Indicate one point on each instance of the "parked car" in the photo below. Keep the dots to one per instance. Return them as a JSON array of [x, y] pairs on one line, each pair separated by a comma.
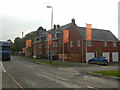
[[98, 60]]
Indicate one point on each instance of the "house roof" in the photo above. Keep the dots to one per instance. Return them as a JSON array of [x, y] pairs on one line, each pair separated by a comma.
[[98, 34], [58, 30]]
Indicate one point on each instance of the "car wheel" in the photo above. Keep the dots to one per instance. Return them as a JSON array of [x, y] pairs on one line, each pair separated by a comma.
[[89, 62], [9, 59]]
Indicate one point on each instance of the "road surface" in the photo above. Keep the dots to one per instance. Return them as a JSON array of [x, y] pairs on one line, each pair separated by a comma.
[[21, 73]]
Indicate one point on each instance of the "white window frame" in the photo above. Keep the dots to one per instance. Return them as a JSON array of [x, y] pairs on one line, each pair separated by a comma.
[[89, 43], [71, 43], [105, 44], [55, 34], [114, 44], [78, 43]]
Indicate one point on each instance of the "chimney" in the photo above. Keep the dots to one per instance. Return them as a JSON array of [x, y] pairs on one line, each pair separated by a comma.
[[54, 26], [73, 20], [58, 26]]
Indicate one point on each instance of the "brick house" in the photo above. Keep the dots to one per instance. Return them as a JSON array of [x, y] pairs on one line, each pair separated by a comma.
[[77, 49]]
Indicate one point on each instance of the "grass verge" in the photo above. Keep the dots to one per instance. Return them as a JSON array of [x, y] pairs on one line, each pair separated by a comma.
[[48, 62], [108, 73], [58, 63]]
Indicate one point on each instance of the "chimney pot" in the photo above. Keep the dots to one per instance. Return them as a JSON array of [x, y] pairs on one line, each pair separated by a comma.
[[73, 20], [54, 26], [58, 26]]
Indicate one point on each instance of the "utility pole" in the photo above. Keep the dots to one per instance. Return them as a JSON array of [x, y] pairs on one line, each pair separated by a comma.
[[51, 29]]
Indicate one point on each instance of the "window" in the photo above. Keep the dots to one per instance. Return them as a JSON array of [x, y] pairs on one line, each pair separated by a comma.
[[42, 38], [46, 45], [71, 43], [89, 43], [53, 44], [35, 46], [105, 43], [78, 43], [37, 39], [56, 52], [40, 53], [53, 52], [114, 44], [55, 34], [39, 46]]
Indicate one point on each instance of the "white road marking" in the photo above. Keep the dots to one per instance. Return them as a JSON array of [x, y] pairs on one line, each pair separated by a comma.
[[85, 76], [11, 76], [15, 81], [92, 87], [65, 69], [70, 70], [3, 68], [63, 83], [30, 67], [55, 76], [89, 87]]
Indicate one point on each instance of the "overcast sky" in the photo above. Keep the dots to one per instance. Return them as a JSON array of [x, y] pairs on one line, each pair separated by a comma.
[[19, 16]]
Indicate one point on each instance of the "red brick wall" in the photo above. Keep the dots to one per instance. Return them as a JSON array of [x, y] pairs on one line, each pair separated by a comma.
[[75, 53], [108, 48], [100, 44]]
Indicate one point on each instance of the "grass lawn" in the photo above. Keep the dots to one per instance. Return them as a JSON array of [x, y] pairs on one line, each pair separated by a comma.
[[61, 63], [53, 63], [109, 73], [48, 62]]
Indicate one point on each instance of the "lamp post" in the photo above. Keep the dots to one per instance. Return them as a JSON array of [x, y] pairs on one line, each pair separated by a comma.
[[51, 15], [51, 28]]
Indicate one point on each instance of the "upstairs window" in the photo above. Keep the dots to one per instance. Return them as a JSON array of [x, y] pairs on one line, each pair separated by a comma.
[[71, 43], [89, 43], [78, 43], [55, 44], [41, 38], [105, 44], [39, 46], [34, 47], [46, 45], [57, 34], [114, 44], [37, 39]]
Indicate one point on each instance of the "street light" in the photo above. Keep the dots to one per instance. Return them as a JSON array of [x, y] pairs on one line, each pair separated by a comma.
[[51, 29], [51, 15]]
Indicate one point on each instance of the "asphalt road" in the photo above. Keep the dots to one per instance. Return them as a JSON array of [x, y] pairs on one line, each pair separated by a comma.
[[21, 73]]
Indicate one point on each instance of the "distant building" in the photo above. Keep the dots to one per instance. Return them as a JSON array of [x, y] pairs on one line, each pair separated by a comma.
[[75, 49]]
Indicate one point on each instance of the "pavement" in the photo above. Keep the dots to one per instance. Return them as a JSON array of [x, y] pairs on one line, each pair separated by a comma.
[[8, 81], [32, 75]]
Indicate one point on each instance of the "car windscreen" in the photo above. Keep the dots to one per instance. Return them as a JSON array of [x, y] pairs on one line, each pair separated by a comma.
[[5, 48]]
